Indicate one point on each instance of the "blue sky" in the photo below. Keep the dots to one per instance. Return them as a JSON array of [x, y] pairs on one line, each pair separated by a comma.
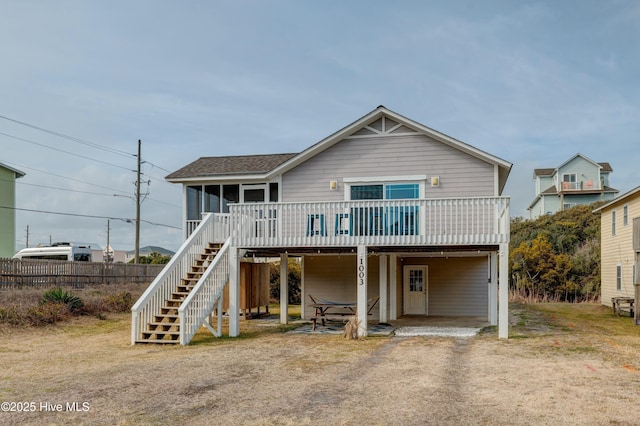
[[531, 82]]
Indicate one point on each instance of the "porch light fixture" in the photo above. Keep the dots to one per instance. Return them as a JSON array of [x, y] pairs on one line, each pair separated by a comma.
[[435, 180], [333, 185]]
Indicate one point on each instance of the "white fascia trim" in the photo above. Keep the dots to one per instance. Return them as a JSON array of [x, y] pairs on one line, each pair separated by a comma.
[[381, 135], [624, 198], [219, 178], [378, 112]]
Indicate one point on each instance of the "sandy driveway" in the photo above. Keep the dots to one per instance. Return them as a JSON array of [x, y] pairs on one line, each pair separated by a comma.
[[549, 373]]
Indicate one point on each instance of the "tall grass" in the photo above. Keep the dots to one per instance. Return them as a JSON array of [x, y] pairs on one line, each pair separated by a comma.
[[521, 295], [37, 307]]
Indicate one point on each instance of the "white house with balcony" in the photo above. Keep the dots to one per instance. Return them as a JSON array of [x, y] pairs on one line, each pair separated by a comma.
[[383, 208], [577, 181]]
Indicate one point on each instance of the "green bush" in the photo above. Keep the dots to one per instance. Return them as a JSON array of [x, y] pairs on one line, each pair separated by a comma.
[[58, 295], [557, 257]]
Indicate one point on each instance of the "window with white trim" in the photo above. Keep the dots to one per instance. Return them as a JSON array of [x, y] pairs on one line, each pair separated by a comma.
[[619, 277], [613, 222], [386, 191], [625, 215]]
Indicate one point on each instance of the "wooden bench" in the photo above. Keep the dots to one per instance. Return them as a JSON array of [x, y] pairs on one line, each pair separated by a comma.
[[622, 304]]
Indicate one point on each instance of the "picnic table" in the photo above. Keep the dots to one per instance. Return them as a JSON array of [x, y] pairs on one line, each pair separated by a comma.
[[324, 308]]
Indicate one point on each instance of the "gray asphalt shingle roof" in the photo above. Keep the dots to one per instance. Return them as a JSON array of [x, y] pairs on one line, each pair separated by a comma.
[[230, 165]]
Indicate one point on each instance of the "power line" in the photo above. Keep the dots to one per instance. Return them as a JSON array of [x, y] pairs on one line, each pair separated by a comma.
[[66, 177], [72, 138], [124, 219], [66, 152], [81, 141], [87, 192]]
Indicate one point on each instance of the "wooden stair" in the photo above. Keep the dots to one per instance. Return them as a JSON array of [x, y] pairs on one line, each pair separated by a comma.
[[165, 327]]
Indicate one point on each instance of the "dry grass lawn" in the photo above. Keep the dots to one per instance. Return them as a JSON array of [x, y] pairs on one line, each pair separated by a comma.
[[565, 364]]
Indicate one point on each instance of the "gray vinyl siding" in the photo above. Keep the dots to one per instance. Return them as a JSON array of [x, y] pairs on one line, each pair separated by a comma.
[[334, 278], [457, 286], [461, 175]]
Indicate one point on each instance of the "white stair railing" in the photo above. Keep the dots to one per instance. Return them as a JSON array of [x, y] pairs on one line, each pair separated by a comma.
[[149, 304], [199, 304]]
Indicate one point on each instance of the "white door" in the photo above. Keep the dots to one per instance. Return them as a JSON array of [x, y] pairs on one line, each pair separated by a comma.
[[415, 290]]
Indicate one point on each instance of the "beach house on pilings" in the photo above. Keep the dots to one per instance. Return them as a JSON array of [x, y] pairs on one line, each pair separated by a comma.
[[384, 207]]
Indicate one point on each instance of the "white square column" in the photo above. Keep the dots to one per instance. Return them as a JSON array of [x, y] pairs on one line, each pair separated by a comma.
[[503, 284], [234, 292], [361, 280], [284, 288]]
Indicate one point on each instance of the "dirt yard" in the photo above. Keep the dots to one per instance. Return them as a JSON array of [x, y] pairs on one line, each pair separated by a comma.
[[565, 364]]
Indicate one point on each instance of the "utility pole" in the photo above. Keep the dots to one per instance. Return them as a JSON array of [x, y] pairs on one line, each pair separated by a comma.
[[108, 252], [138, 205], [27, 245]]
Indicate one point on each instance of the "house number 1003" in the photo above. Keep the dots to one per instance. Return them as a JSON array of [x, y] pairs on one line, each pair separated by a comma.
[[361, 272]]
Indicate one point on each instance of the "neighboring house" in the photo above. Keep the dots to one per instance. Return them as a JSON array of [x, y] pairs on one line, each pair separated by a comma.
[[8, 176], [146, 251], [100, 254], [578, 180], [384, 207], [620, 246]]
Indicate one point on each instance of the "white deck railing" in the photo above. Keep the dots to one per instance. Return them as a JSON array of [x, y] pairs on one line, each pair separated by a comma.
[[200, 302], [167, 281], [459, 221]]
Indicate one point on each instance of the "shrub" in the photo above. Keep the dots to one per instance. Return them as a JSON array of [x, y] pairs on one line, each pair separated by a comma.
[[120, 302], [11, 315], [47, 313], [58, 295]]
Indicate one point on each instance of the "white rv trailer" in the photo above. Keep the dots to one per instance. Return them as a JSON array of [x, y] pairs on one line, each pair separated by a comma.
[[57, 251]]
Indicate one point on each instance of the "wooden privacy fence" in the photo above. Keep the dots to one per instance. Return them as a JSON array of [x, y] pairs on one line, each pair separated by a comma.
[[47, 273]]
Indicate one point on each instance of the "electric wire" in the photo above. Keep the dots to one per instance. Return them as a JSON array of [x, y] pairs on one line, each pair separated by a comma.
[[124, 219], [71, 138], [66, 152]]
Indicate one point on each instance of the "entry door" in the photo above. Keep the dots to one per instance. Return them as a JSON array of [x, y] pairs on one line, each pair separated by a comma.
[[416, 290]]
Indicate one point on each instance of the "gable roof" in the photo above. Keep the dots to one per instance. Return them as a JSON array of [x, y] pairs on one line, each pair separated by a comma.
[[503, 165], [18, 173], [268, 166], [621, 199], [604, 167]]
